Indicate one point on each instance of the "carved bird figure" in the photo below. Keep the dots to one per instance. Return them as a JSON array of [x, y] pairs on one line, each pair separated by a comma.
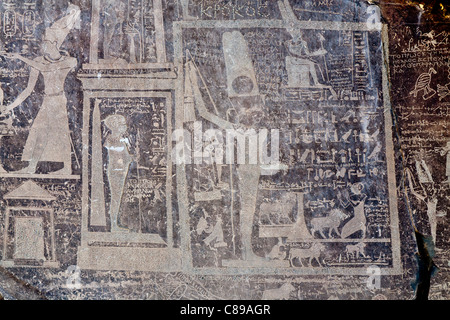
[[423, 83]]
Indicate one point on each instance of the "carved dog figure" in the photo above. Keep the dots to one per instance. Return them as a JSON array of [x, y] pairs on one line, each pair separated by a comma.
[[355, 250], [330, 222], [311, 253]]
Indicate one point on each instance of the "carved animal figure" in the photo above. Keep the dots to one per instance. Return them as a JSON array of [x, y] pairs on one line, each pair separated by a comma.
[[358, 222], [278, 212], [311, 253], [281, 293], [330, 222], [275, 218], [423, 83], [355, 250], [277, 252]]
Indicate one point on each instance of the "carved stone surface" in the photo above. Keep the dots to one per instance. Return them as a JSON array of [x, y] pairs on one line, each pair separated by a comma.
[[208, 149]]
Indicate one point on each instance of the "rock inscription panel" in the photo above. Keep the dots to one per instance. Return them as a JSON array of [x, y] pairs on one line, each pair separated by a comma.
[[200, 149]]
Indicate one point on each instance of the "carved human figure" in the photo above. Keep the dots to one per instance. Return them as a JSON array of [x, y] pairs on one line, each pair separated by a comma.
[[446, 151], [248, 175], [357, 200], [299, 64], [249, 114], [429, 194], [119, 160], [49, 136], [214, 230], [114, 17], [134, 36]]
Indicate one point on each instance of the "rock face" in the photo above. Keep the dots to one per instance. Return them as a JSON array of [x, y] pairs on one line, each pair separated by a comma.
[[200, 149]]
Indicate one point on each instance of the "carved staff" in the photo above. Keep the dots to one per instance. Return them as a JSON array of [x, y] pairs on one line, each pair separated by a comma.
[[138, 159], [232, 196], [98, 211], [322, 39], [193, 73]]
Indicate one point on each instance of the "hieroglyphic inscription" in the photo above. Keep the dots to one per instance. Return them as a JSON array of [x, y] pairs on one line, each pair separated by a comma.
[[420, 67], [165, 149]]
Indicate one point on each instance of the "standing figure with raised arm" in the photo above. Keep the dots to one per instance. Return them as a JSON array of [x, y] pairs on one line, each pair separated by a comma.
[[429, 194], [248, 103], [49, 136], [357, 200]]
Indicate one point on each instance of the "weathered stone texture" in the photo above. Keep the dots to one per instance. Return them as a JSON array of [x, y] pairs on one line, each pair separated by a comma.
[[125, 171]]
